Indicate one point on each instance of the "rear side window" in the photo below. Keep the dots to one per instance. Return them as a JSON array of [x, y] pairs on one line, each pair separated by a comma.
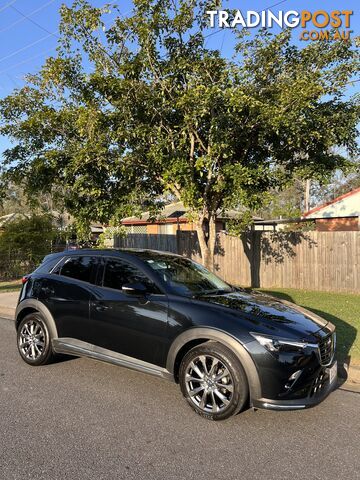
[[119, 272], [81, 268], [48, 263]]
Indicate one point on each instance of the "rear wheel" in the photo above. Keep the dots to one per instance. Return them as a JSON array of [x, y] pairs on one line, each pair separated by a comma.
[[34, 340], [213, 381]]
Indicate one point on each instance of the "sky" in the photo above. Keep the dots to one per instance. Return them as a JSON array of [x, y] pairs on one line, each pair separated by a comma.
[[29, 28]]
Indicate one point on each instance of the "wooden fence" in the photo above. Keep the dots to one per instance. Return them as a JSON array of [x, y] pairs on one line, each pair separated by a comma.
[[165, 243], [328, 261]]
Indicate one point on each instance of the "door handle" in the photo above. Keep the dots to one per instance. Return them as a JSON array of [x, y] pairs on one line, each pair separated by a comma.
[[100, 307]]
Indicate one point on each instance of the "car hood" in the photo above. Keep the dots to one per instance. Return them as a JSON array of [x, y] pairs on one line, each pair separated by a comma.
[[269, 315]]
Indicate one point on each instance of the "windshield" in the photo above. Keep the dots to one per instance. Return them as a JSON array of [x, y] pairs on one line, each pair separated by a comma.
[[186, 277]]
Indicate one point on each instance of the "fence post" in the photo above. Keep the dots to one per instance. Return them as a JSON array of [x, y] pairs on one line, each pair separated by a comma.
[[178, 241]]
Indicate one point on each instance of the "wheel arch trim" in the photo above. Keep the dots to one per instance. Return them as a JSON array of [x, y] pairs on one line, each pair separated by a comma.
[[41, 308], [225, 339]]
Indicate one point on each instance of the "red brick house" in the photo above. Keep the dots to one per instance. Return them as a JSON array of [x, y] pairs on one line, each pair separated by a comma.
[[342, 213], [172, 218]]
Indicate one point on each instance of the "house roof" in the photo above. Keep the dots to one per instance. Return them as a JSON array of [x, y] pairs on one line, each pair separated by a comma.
[[173, 210], [170, 214], [347, 205]]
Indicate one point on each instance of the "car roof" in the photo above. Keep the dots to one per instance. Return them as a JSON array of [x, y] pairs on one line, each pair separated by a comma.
[[142, 253]]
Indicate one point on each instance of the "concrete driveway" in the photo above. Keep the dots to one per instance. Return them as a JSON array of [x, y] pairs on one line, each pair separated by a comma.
[[82, 419]]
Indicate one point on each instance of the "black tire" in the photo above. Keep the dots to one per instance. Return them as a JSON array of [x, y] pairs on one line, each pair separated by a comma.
[[34, 340], [223, 389]]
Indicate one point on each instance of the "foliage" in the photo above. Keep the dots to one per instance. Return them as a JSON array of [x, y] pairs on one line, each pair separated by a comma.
[[340, 184], [109, 233], [24, 243], [284, 203], [308, 226], [237, 226], [32, 236], [160, 112], [13, 200]]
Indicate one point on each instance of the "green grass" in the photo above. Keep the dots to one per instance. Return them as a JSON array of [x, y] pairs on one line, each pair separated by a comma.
[[341, 309], [10, 286]]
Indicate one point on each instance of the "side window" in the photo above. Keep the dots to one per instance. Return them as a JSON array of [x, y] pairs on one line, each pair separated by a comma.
[[118, 273], [47, 264], [81, 268]]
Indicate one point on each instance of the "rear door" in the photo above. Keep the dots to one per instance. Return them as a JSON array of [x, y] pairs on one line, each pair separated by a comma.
[[67, 293], [132, 325]]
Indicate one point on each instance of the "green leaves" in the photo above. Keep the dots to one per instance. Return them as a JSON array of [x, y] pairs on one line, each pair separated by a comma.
[[32, 236], [141, 108]]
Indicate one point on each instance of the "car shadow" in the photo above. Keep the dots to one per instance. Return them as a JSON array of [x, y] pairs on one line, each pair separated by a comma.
[[345, 333], [61, 358]]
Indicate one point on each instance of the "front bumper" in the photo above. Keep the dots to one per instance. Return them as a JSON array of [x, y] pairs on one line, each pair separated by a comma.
[[318, 390]]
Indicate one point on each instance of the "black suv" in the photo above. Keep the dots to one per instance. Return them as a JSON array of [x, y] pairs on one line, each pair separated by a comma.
[[168, 316]]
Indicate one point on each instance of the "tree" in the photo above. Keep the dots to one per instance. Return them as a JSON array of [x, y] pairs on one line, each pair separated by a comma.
[[32, 236], [160, 112], [14, 200], [24, 242], [284, 203], [340, 184]]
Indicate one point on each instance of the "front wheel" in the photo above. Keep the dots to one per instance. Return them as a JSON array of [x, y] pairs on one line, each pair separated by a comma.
[[34, 340], [213, 381]]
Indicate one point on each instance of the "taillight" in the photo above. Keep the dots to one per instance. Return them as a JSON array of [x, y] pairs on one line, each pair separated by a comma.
[[25, 278]]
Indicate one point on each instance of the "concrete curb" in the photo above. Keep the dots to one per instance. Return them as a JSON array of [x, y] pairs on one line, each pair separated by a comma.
[[353, 374], [7, 312]]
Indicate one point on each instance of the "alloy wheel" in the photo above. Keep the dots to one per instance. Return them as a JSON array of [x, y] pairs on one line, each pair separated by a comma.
[[32, 340], [209, 383]]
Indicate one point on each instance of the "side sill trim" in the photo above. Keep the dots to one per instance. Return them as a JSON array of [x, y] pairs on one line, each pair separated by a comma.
[[72, 346]]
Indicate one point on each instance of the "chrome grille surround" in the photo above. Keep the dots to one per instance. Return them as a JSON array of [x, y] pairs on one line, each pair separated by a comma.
[[327, 349]]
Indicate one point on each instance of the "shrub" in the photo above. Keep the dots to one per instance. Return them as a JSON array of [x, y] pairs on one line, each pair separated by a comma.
[[24, 243]]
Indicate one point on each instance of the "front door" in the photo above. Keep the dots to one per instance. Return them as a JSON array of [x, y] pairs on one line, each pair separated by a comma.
[[132, 325]]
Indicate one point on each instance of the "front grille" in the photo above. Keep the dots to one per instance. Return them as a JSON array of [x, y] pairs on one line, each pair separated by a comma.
[[327, 349]]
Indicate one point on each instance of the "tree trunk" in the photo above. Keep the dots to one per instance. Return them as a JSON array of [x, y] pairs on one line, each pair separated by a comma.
[[206, 230]]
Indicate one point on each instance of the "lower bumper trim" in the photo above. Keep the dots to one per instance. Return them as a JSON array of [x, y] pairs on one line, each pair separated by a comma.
[[273, 406], [298, 404]]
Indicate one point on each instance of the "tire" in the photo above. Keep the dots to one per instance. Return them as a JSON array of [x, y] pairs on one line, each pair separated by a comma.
[[34, 340], [213, 381]]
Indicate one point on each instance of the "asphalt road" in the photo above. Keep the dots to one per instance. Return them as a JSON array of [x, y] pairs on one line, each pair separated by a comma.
[[82, 419]]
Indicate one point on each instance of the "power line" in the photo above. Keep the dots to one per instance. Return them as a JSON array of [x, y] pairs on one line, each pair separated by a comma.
[[26, 16], [25, 48], [7, 5], [37, 41], [12, 80], [27, 60], [221, 30]]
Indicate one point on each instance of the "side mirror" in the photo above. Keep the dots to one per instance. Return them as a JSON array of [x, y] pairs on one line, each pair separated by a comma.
[[134, 289]]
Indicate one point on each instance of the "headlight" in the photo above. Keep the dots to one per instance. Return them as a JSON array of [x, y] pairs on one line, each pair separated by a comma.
[[277, 345]]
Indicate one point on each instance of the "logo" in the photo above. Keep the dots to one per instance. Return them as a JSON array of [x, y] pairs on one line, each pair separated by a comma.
[[318, 25]]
